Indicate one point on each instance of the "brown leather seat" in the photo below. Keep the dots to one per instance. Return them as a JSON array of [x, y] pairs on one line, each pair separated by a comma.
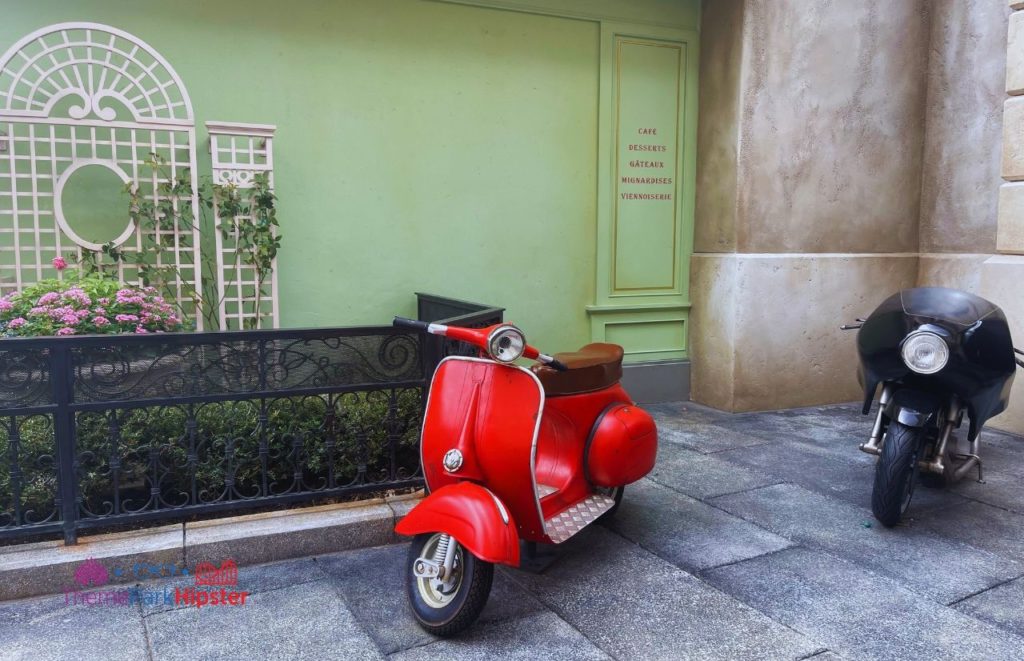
[[593, 367]]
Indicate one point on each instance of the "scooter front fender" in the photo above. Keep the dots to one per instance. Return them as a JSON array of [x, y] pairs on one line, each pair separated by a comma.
[[472, 515]]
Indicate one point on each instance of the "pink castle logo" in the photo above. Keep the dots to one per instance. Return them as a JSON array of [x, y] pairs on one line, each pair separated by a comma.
[[91, 572]]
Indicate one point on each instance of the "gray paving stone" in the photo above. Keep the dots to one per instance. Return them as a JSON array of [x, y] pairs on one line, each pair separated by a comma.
[[980, 525], [540, 636], [842, 472], [302, 622], [943, 569], [774, 425], [858, 613], [686, 532], [1002, 606], [686, 412], [703, 475], [707, 438], [372, 582], [1004, 478], [253, 579], [49, 628], [1002, 439], [634, 605]]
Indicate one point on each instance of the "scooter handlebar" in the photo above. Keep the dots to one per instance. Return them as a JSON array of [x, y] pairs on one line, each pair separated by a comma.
[[402, 322]]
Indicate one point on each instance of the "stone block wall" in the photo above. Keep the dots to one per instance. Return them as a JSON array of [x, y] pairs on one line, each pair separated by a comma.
[[846, 151]]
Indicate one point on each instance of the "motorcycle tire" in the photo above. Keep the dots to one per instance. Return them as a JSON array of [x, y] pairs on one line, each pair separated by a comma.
[[445, 611], [895, 474]]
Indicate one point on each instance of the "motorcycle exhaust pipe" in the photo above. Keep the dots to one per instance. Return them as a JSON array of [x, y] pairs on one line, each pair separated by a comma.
[[874, 444], [973, 461]]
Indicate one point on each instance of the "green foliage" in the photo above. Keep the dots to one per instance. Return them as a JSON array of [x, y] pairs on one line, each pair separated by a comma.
[[195, 451], [249, 218], [248, 223]]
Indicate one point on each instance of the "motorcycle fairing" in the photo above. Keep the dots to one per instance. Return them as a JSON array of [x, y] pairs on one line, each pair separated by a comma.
[[473, 516], [981, 364], [491, 413]]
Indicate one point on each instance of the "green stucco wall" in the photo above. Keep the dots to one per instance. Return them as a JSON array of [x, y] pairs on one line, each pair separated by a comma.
[[421, 146]]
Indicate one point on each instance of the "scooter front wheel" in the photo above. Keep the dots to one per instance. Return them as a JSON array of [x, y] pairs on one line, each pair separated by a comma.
[[447, 605]]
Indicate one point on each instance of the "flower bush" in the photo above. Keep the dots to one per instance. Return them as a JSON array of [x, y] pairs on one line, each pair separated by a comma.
[[85, 305]]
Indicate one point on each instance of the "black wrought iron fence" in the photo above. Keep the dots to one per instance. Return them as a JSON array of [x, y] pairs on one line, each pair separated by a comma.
[[106, 430]]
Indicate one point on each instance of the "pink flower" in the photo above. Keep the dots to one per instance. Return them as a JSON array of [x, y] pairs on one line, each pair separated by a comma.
[[5, 305], [126, 317], [66, 331], [60, 265], [17, 322], [48, 298], [70, 319], [140, 329], [104, 301], [100, 321], [100, 310]]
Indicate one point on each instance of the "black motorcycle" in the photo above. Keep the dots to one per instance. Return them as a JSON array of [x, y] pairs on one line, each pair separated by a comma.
[[937, 353]]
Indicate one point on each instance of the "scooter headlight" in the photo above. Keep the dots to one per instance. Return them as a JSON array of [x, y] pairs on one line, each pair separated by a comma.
[[506, 343], [925, 352]]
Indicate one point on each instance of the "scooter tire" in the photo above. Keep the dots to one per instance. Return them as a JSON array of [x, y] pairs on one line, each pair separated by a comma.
[[895, 474], [466, 604]]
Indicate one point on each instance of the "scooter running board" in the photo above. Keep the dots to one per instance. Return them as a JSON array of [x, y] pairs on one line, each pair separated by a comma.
[[564, 525]]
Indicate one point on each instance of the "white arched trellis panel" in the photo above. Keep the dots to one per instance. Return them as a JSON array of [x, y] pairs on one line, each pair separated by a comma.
[[78, 94]]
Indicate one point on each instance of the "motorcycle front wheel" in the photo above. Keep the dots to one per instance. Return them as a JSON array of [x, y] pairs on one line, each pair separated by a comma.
[[895, 474], [444, 608]]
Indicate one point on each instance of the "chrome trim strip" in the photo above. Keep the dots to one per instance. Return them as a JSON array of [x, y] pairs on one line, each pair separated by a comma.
[[536, 428], [498, 504]]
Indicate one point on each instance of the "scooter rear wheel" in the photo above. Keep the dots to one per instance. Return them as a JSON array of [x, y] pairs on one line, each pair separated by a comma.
[[895, 474], [444, 608]]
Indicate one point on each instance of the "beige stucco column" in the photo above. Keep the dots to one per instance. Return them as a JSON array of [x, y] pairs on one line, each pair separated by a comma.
[[1002, 276], [809, 163]]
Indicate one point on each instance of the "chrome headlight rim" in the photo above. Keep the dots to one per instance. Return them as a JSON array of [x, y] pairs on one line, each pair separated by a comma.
[[913, 340], [510, 352]]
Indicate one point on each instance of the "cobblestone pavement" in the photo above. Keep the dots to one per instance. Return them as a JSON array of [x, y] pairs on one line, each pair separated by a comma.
[[752, 539]]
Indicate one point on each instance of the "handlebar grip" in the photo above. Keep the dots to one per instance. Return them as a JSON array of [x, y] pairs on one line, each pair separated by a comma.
[[402, 322], [558, 365]]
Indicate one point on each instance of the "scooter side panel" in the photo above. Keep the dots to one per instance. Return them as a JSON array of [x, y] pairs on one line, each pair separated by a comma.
[[490, 413], [563, 440], [473, 516]]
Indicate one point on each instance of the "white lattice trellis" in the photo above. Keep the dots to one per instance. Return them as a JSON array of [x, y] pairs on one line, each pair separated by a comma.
[[239, 153], [77, 94]]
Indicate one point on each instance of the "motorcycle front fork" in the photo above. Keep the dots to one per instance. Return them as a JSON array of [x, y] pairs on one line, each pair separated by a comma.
[[934, 463]]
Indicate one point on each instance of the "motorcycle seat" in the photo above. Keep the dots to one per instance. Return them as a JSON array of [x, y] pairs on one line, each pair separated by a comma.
[[594, 367]]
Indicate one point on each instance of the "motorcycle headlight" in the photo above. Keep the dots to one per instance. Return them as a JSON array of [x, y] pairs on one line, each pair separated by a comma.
[[925, 352], [506, 344]]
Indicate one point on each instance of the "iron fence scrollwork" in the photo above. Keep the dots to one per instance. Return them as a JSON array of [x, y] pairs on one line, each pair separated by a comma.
[[100, 431]]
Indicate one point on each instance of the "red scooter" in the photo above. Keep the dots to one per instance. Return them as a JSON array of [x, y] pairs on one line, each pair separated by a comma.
[[512, 454]]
